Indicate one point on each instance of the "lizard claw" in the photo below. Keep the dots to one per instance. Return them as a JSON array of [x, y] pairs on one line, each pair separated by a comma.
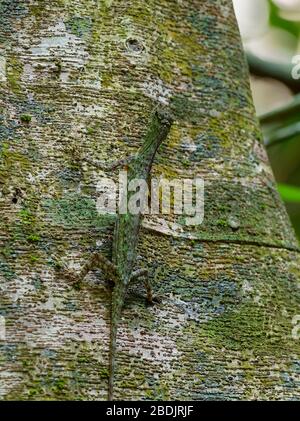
[[157, 299], [62, 270], [154, 300]]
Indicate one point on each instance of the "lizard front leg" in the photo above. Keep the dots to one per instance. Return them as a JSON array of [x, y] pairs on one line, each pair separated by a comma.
[[96, 260]]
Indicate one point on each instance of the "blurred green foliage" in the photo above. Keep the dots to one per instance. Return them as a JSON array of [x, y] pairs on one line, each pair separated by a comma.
[[281, 126], [277, 21], [289, 193]]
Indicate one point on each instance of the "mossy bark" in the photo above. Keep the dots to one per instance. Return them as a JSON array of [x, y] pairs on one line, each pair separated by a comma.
[[82, 78]]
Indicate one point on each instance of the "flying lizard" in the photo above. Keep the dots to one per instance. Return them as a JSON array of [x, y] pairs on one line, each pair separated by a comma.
[[126, 233]]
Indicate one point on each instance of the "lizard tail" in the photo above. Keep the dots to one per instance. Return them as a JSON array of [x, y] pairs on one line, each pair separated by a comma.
[[116, 309], [112, 360]]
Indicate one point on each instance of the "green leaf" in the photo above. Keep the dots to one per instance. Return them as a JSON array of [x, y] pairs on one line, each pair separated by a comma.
[[289, 193]]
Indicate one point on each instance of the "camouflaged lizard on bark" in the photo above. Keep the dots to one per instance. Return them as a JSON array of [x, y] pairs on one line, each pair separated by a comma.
[[124, 249]]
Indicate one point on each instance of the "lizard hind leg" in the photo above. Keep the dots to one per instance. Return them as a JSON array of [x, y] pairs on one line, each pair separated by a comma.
[[96, 260]]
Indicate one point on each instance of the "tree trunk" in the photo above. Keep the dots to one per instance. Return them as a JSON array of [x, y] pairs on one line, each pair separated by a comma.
[[81, 78]]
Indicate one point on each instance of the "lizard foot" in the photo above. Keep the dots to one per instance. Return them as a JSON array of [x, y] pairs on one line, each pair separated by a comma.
[[154, 300], [66, 273]]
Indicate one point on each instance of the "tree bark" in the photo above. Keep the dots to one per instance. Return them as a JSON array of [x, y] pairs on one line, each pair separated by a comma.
[[81, 78]]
